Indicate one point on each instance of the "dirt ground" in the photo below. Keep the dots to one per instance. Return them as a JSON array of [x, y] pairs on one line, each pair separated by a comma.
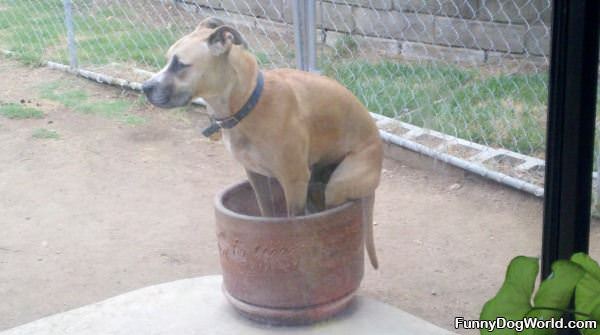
[[110, 207]]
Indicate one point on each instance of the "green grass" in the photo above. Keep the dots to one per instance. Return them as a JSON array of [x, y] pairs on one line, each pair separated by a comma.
[[45, 134], [29, 28], [262, 58], [34, 30], [499, 110], [79, 101], [19, 111], [346, 46]]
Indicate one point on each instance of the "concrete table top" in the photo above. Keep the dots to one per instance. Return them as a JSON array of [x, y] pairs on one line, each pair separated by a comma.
[[197, 306]]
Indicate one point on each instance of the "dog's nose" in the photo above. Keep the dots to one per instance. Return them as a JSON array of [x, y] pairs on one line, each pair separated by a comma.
[[147, 87]]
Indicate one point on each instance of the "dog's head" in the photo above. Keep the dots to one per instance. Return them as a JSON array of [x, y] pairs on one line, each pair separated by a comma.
[[197, 66]]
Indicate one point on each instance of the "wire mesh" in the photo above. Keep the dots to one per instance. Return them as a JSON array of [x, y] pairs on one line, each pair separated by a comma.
[[474, 69], [458, 67], [117, 37]]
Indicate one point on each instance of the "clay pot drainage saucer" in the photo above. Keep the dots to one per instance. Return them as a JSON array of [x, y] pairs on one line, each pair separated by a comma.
[[288, 271]]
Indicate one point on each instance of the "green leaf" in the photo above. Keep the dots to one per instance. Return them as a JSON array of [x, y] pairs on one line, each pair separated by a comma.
[[587, 263], [587, 291], [513, 300], [555, 294], [596, 317]]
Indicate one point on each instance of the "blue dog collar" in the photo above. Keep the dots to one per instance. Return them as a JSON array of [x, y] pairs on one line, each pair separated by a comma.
[[232, 121]]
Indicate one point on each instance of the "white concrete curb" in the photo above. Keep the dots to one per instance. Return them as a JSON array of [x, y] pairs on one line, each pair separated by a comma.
[[197, 306]]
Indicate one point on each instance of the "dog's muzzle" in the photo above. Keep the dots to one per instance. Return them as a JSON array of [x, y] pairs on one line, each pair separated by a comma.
[[157, 95], [147, 87], [163, 95]]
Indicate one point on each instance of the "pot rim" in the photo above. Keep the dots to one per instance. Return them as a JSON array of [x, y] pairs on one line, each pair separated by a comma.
[[219, 206]]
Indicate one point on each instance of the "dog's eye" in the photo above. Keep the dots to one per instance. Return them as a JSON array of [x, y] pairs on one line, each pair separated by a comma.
[[176, 65]]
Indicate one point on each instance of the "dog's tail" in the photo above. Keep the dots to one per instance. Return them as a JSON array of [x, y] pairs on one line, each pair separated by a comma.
[[367, 209]]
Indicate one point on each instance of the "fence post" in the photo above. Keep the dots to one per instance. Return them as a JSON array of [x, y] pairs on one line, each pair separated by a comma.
[[305, 34], [70, 34]]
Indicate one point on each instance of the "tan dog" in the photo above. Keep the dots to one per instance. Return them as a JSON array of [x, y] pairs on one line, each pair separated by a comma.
[[304, 128]]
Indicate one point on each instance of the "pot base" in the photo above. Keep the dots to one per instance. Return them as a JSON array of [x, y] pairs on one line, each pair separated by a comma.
[[291, 316]]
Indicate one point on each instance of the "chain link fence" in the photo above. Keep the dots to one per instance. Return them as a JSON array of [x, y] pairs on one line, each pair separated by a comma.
[[472, 69], [118, 37]]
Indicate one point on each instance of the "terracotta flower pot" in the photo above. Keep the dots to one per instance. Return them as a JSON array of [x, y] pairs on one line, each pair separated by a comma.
[[281, 270]]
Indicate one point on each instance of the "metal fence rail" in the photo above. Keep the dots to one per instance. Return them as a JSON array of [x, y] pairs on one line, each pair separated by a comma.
[[473, 69]]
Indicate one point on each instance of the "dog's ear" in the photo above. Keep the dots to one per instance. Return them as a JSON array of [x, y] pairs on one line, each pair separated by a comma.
[[210, 23], [221, 40]]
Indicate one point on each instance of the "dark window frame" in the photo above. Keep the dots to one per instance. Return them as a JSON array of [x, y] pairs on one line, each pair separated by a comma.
[[570, 133]]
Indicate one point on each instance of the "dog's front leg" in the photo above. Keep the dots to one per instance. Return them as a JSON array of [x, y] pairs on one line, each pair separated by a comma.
[[264, 194], [295, 188]]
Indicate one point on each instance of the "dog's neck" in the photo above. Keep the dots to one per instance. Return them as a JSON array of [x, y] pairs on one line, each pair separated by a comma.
[[240, 84]]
